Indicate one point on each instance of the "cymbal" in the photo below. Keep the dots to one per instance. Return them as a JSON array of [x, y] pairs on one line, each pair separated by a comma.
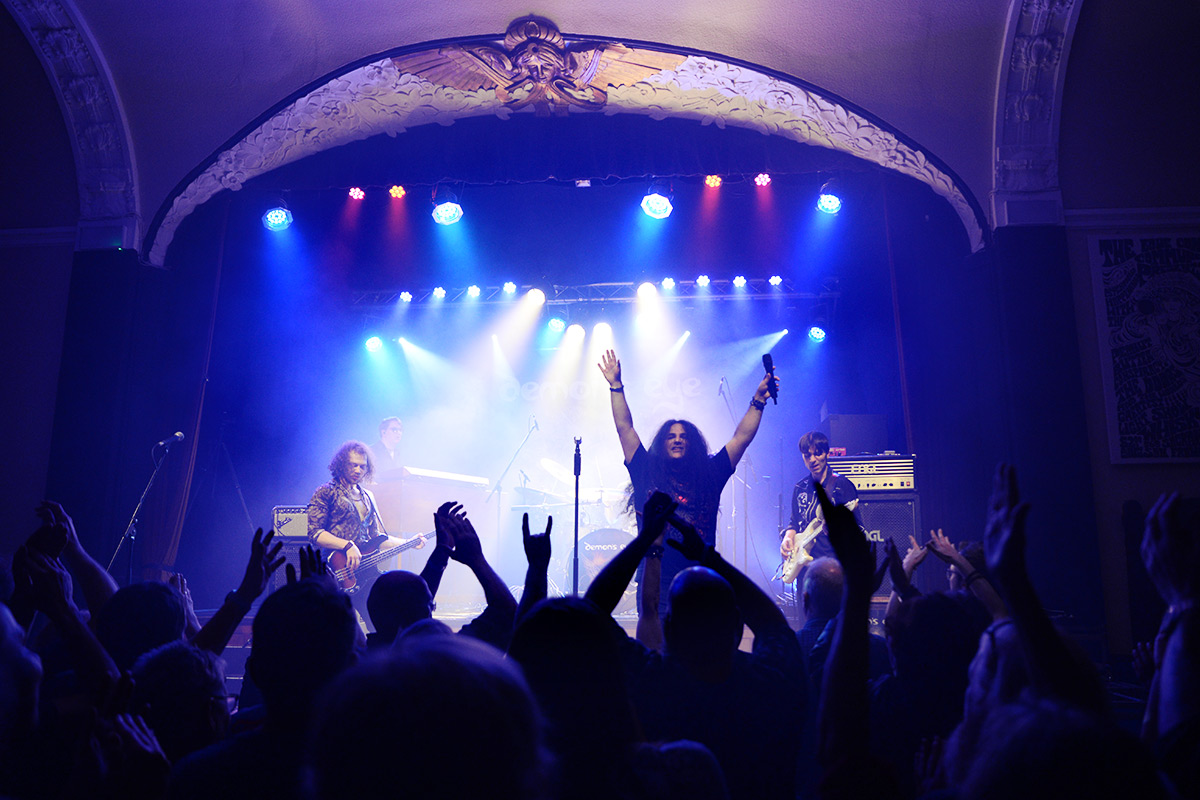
[[557, 470]]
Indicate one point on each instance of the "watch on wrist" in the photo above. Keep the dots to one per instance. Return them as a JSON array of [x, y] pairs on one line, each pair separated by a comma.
[[349, 544]]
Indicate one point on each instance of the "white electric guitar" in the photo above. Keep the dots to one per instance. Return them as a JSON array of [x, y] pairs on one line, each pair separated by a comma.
[[799, 556]]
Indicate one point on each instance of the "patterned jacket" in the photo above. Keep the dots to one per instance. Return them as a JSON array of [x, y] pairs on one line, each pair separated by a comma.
[[332, 510]]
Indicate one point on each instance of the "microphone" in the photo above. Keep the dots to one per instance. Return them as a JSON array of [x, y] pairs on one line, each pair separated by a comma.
[[772, 386], [721, 387], [534, 423], [524, 477], [177, 436]]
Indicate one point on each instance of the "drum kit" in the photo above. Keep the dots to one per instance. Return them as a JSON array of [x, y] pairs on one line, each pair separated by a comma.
[[606, 525]]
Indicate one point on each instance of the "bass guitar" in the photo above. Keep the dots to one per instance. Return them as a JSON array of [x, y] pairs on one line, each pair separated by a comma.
[[802, 544], [372, 555]]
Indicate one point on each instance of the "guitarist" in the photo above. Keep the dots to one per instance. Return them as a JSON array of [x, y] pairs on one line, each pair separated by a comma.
[[814, 446], [342, 515]]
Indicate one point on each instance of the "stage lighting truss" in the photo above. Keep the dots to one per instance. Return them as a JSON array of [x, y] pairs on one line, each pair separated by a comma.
[[684, 290]]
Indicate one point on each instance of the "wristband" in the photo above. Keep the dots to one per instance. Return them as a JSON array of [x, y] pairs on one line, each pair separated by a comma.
[[756, 403], [349, 544], [619, 389]]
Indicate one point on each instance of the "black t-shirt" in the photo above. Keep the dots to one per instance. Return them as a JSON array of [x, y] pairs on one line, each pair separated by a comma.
[[698, 499]]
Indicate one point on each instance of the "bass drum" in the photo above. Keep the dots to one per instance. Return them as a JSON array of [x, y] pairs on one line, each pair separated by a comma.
[[595, 550]]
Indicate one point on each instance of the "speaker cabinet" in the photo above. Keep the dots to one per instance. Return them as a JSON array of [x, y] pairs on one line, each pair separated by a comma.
[[894, 516]]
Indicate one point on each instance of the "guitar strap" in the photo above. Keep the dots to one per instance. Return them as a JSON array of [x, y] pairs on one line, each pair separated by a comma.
[[374, 511]]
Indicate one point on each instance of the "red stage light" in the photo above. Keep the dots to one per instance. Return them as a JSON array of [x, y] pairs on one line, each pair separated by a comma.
[[357, 193]]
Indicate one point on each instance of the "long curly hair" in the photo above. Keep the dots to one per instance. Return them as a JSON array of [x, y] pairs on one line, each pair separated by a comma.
[[694, 458], [339, 465]]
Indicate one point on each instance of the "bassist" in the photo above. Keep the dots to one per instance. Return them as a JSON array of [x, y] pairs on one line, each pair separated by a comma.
[[342, 515]]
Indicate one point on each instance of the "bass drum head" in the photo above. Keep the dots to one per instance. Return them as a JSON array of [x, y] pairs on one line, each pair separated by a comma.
[[595, 550]]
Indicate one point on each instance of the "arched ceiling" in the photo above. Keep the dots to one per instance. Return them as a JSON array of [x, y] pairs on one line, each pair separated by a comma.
[[163, 89]]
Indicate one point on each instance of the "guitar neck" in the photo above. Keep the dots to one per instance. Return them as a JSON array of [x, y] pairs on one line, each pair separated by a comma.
[[380, 555]]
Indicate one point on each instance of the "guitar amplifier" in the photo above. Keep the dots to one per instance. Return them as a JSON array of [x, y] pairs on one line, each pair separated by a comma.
[[290, 522], [884, 473]]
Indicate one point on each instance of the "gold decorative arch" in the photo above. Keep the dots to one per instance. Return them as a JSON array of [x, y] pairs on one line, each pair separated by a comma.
[[535, 69]]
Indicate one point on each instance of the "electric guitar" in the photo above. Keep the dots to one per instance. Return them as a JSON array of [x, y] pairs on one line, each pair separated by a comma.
[[803, 543], [348, 578]]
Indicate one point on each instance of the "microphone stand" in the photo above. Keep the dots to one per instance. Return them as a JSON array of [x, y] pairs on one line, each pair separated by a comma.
[[575, 558], [517, 452], [496, 485], [130, 533]]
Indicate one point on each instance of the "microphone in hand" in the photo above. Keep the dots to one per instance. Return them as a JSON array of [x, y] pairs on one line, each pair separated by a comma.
[[772, 385]]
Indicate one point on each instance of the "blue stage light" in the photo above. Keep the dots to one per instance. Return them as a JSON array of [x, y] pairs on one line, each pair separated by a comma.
[[657, 202], [829, 203], [740, 281], [446, 210], [447, 213], [816, 333], [702, 281], [406, 297], [374, 344], [472, 291], [557, 324], [829, 200], [775, 280], [277, 219], [439, 292], [668, 283], [510, 287]]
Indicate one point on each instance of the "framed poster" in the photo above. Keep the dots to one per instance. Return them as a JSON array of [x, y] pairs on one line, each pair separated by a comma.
[[1147, 293]]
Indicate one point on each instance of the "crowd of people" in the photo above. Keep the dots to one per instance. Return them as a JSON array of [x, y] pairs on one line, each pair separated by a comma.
[[972, 692]]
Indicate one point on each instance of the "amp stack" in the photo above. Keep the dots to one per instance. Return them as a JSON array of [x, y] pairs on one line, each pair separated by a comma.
[[888, 504]]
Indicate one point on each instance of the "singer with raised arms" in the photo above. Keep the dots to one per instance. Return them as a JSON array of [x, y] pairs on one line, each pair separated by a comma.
[[679, 464]]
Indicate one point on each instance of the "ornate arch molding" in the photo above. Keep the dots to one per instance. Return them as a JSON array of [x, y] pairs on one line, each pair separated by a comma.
[[105, 174], [1025, 187], [533, 69]]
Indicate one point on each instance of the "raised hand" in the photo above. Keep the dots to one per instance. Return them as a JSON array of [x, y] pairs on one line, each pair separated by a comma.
[[915, 555], [1171, 553], [448, 509], [54, 514], [1004, 534], [764, 388], [692, 544], [264, 560], [537, 545], [467, 548], [50, 583], [656, 513], [610, 368], [192, 624], [849, 545], [895, 565], [941, 546]]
